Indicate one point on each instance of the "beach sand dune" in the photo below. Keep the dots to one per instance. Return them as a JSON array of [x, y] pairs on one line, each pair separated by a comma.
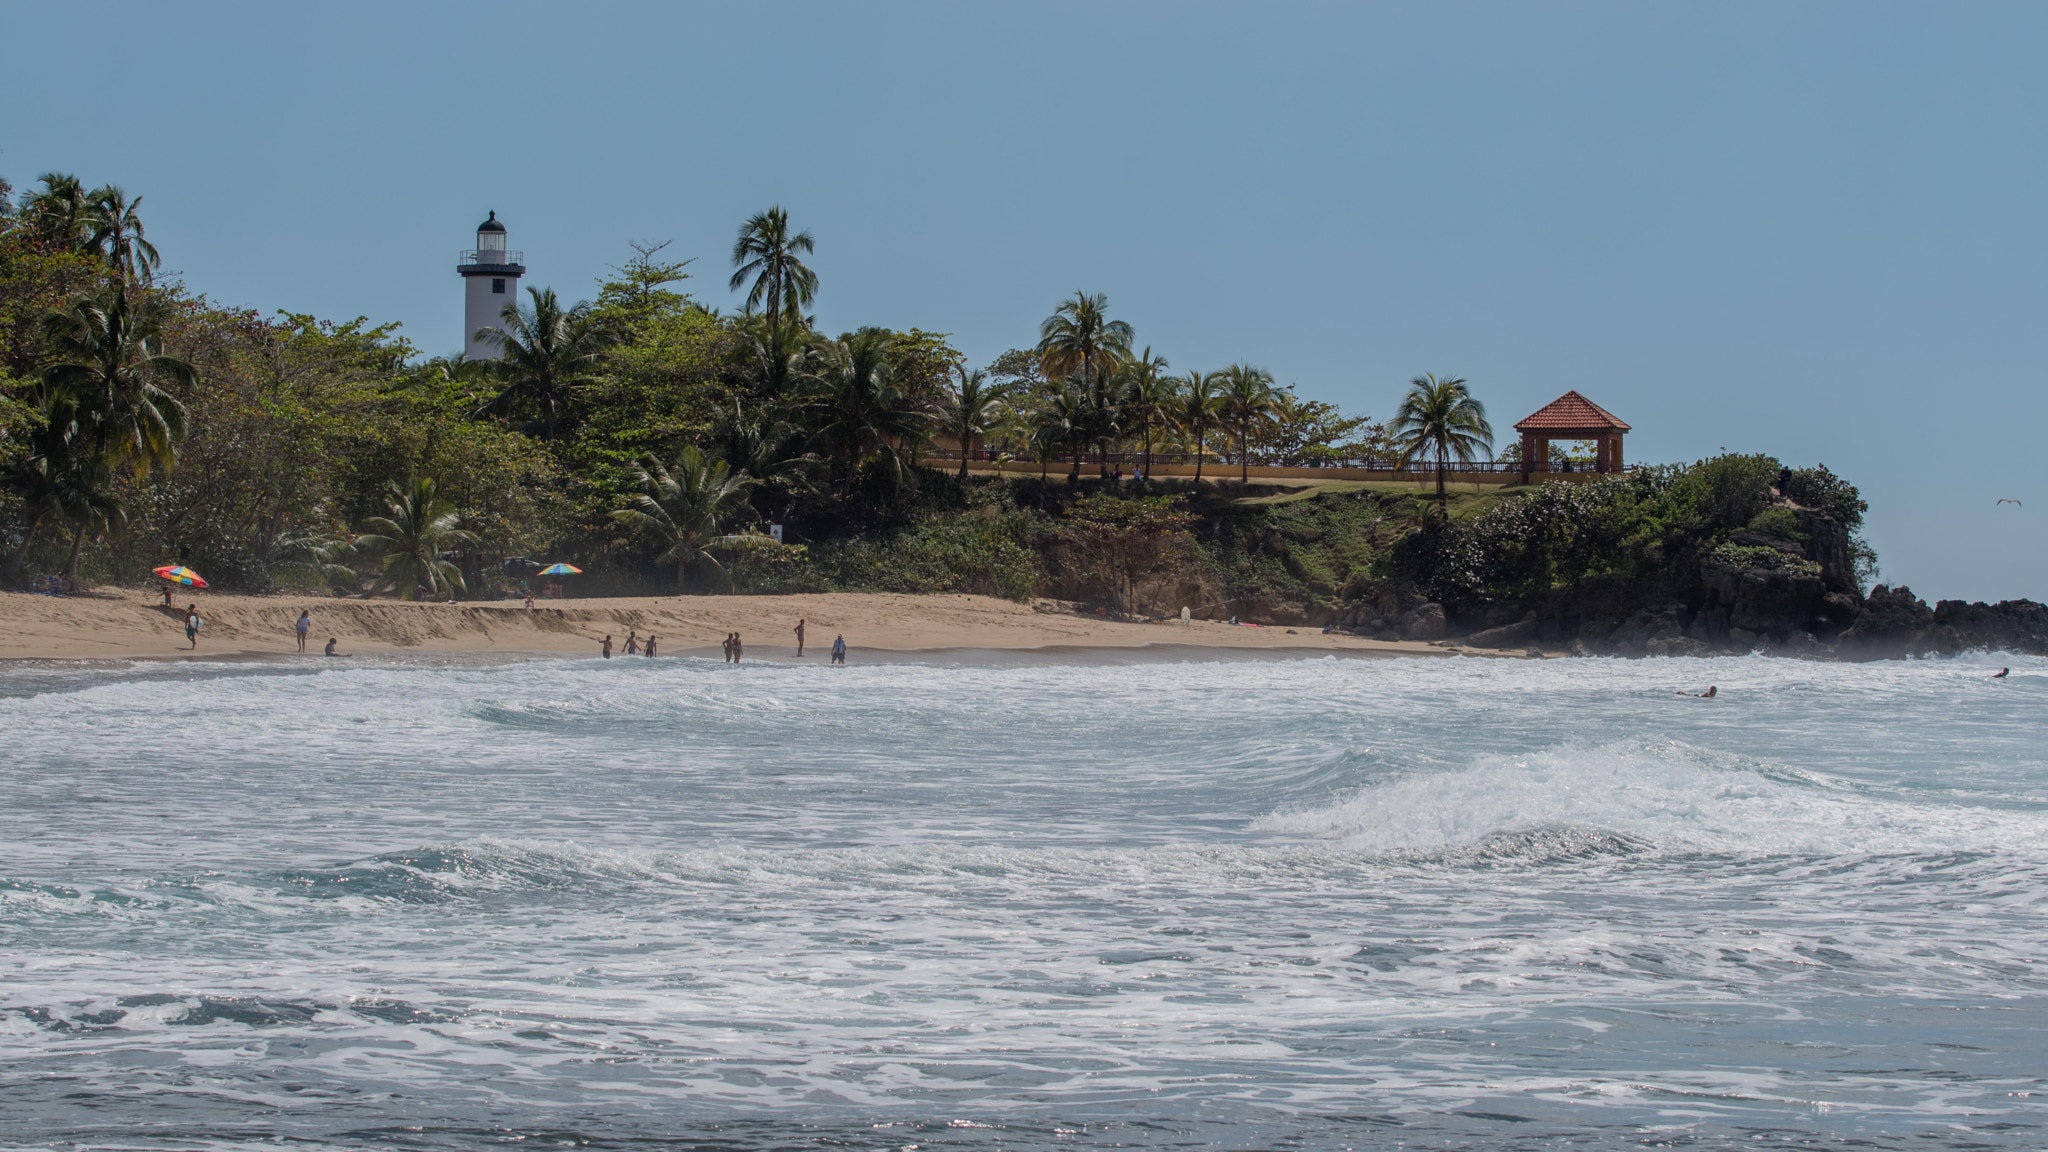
[[130, 623]]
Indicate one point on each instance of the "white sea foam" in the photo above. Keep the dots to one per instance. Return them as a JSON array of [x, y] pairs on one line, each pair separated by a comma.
[[1213, 896]]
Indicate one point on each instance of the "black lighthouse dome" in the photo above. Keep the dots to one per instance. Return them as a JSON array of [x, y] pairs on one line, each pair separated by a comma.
[[491, 225]]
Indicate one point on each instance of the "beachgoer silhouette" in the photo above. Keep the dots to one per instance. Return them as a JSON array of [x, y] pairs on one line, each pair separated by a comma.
[[304, 625], [839, 649], [632, 642], [728, 647], [2001, 674], [738, 649], [607, 645], [799, 639], [650, 645], [1707, 695], [330, 647]]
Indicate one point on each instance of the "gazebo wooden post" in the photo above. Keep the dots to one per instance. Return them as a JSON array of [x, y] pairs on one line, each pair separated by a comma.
[[1528, 455]]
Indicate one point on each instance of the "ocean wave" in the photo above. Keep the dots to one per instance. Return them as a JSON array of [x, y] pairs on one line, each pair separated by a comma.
[[1646, 794]]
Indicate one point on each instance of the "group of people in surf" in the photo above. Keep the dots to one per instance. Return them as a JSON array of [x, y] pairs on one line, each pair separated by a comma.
[[734, 647]]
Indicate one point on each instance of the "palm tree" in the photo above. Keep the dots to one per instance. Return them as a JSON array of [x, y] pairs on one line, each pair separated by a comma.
[[686, 506], [1247, 398], [861, 413], [1079, 340], [117, 234], [974, 407], [1064, 422], [60, 213], [109, 356], [1440, 418], [767, 252], [1147, 392], [778, 349], [548, 354], [412, 539], [1194, 410], [59, 475]]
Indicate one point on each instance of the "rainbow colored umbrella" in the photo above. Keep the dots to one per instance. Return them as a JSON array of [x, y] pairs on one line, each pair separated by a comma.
[[179, 574], [560, 570]]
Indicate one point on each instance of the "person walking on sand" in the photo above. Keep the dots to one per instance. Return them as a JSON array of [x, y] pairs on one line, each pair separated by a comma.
[[650, 645], [839, 649], [799, 638], [607, 645], [304, 626], [193, 624]]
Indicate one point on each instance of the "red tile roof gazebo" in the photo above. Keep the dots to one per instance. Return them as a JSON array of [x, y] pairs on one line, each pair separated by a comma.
[[1570, 417]]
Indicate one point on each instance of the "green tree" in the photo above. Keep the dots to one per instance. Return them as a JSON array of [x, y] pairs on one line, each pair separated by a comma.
[[1061, 422], [412, 540], [1247, 401], [549, 354], [108, 354], [1147, 392], [975, 407], [60, 213], [1079, 340], [858, 412], [1194, 411], [685, 508], [1440, 419], [61, 476], [783, 285], [116, 234]]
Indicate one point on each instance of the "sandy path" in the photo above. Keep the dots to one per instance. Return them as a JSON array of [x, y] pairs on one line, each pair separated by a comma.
[[128, 623]]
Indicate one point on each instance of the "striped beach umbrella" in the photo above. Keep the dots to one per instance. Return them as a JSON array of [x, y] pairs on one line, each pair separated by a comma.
[[179, 574], [560, 570]]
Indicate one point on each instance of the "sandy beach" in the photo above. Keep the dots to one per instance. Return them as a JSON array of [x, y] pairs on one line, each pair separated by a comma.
[[117, 623]]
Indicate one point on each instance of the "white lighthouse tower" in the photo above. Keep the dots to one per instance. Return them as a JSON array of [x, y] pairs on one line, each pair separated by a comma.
[[490, 280]]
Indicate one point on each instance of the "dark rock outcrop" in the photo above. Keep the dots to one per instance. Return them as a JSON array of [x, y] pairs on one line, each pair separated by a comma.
[[2009, 625], [1893, 624]]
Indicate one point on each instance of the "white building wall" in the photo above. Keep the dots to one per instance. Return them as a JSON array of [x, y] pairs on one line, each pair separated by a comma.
[[483, 308]]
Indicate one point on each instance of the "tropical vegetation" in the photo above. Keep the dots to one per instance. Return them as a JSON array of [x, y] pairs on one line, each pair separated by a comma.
[[653, 439]]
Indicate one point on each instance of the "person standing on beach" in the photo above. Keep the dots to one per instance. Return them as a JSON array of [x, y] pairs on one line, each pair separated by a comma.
[[304, 626], [728, 646], [839, 649], [738, 649], [799, 638], [607, 645], [650, 645], [192, 624]]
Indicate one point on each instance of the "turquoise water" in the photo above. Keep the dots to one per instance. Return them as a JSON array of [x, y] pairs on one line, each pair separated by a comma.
[[1286, 903]]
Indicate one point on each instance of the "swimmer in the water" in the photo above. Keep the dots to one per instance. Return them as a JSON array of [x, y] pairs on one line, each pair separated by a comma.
[[1707, 695], [2001, 674]]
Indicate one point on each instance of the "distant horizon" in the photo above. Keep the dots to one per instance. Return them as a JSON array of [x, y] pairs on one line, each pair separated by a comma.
[[1804, 232]]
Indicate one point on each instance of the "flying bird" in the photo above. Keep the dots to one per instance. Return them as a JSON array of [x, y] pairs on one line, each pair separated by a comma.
[[2009, 502]]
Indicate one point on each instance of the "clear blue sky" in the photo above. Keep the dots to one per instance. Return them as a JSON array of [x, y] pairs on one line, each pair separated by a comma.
[[1814, 230]]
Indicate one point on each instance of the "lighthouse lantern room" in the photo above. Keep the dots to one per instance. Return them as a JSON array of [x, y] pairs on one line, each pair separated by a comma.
[[490, 274]]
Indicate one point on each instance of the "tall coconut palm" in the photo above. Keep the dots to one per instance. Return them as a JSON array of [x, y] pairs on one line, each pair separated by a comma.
[[765, 251], [60, 212], [860, 412], [1064, 419], [116, 235], [548, 355], [685, 508], [1147, 392], [108, 355], [974, 407], [1440, 418], [413, 540], [1079, 340], [1194, 410], [1247, 399]]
